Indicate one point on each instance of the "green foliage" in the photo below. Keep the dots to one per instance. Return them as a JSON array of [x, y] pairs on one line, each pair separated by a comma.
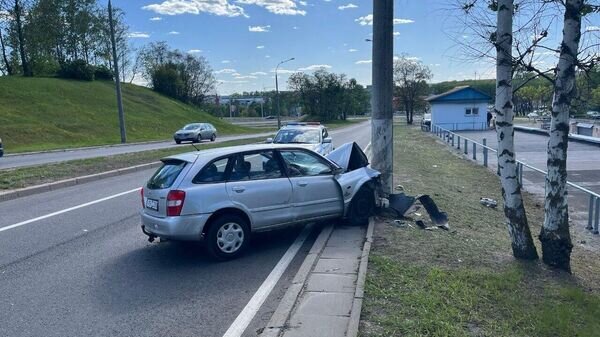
[[50, 113], [77, 70], [102, 73]]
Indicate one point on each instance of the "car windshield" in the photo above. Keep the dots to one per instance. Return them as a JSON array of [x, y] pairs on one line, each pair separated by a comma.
[[192, 126], [297, 136]]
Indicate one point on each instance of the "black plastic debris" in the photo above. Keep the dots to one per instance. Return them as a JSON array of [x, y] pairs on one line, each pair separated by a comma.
[[403, 205]]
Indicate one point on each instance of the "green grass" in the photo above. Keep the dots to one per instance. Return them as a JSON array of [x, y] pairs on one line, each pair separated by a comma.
[[49, 113], [29, 176], [464, 282]]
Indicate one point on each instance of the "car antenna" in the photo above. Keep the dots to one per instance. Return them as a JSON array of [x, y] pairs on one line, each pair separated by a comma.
[[197, 149]]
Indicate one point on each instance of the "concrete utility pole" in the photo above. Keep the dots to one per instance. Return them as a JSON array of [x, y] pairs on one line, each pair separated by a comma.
[[277, 92], [116, 71], [383, 86]]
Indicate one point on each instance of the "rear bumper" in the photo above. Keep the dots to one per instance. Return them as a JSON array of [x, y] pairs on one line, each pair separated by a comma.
[[185, 228]]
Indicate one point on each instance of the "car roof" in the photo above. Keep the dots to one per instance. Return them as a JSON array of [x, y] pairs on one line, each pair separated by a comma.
[[210, 154]]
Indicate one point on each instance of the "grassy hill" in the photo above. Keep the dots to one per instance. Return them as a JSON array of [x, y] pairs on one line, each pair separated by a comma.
[[49, 113]]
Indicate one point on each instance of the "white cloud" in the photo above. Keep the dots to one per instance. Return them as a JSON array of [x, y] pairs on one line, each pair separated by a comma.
[[240, 77], [260, 47], [303, 3], [295, 28], [267, 56], [367, 20], [259, 29], [352, 50], [138, 35], [396, 33], [280, 7], [194, 51], [156, 18], [215, 7], [284, 71], [592, 29], [225, 61], [364, 62], [348, 6], [173, 33], [258, 73], [225, 71], [315, 67]]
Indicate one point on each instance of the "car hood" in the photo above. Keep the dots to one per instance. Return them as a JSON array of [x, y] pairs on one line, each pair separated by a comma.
[[349, 156]]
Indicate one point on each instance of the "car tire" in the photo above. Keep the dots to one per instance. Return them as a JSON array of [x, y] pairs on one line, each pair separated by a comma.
[[178, 142], [213, 137], [361, 207], [227, 237]]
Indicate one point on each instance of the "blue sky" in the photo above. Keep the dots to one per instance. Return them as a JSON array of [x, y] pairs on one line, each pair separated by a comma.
[[245, 39]]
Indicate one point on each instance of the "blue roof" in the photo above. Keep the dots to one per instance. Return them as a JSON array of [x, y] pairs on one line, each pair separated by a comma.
[[460, 94]]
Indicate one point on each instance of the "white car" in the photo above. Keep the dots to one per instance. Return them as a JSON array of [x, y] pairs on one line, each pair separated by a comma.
[[312, 136], [223, 195]]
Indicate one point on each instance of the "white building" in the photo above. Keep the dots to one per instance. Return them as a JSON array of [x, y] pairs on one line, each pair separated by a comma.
[[462, 108]]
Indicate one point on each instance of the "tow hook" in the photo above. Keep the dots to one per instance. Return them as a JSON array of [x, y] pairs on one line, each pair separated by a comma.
[[151, 237]]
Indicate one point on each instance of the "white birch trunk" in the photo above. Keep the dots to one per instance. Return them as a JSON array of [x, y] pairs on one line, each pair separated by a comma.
[[555, 236], [514, 210]]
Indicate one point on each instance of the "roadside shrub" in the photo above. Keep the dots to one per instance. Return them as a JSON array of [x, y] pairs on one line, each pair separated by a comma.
[[77, 70], [102, 73]]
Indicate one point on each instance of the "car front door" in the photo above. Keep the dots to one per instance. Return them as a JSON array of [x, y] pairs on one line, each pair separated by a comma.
[[316, 193], [258, 185]]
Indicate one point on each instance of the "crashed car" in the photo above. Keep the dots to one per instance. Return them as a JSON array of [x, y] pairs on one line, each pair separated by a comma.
[[223, 195]]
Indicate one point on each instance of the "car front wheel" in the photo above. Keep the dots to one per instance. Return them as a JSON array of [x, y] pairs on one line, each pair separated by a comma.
[[227, 237], [213, 137], [361, 207]]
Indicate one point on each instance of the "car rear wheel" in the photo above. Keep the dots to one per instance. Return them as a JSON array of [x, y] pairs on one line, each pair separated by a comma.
[[361, 207], [213, 137], [227, 237]]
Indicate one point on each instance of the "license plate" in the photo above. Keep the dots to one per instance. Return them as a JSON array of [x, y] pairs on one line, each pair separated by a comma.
[[152, 204]]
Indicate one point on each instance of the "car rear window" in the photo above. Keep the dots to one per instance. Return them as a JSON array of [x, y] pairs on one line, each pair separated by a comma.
[[165, 176]]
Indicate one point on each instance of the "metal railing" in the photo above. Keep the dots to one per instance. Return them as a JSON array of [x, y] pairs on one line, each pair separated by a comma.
[[453, 139]]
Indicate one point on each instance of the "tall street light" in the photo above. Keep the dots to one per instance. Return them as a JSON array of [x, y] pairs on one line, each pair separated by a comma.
[[277, 91]]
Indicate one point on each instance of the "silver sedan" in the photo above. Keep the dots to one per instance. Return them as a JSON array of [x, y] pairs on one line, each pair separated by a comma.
[[223, 195], [196, 132]]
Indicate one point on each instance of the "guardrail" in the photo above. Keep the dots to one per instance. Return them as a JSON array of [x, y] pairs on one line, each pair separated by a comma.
[[455, 140]]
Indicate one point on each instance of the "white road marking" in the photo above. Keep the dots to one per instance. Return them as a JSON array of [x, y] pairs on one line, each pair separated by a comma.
[[23, 223], [240, 324]]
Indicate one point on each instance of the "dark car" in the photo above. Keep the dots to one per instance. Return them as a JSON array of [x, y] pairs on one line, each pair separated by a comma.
[[1, 148]]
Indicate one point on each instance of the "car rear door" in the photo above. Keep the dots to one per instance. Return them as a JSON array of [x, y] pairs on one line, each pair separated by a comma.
[[257, 183], [316, 193]]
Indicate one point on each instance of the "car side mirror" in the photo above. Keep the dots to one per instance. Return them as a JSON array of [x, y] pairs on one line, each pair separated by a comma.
[[327, 140], [269, 140]]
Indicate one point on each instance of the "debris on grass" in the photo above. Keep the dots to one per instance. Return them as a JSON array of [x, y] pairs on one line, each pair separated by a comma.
[[488, 202]]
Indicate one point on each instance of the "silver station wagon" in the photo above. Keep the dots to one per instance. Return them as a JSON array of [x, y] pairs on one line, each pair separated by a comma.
[[222, 195]]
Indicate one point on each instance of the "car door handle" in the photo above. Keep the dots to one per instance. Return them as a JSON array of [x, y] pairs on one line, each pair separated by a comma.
[[238, 189], [302, 183]]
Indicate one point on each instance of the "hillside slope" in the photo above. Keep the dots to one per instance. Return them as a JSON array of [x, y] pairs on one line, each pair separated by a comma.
[[49, 113]]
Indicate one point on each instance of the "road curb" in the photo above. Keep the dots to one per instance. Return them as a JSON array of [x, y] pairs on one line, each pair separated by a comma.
[[572, 137], [28, 191], [277, 323], [353, 325]]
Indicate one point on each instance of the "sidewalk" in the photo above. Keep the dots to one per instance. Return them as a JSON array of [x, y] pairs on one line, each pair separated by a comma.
[[326, 300]]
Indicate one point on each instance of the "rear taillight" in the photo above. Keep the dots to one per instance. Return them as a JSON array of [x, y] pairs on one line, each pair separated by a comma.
[[175, 201], [142, 193]]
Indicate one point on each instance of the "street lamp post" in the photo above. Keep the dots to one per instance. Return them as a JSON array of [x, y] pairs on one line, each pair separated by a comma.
[[277, 91]]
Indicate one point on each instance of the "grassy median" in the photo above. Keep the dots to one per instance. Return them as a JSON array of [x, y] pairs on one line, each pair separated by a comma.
[[30, 176], [464, 282]]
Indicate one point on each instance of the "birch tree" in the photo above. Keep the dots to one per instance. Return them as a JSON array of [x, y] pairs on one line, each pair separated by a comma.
[[555, 235], [514, 210]]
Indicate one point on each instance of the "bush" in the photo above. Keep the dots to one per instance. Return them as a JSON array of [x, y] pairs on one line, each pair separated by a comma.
[[102, 73], [77, 70]]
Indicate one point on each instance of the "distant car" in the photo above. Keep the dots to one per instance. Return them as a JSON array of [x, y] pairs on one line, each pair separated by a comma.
[[312, 136], [532, 115], [593, 114], [196, 132], [1, 148], [223, 195], [426, 119]]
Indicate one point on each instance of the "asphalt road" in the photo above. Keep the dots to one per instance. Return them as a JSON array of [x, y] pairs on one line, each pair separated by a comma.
[[89, 271]]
